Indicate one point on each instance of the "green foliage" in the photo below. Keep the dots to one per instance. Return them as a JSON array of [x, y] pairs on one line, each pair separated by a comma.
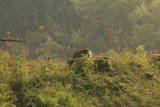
[[146, 24], [103, 64], [57, 28], [79, 65], [51, 83], [27, 15]]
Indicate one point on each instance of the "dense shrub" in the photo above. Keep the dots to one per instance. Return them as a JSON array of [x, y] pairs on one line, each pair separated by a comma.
[[133, 81]]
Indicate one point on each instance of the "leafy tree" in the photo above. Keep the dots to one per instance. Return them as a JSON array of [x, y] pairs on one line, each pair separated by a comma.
[[146, 24], [102, 19], [27, 15]]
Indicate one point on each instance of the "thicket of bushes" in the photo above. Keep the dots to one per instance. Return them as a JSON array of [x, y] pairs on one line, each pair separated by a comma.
[[130, 80]]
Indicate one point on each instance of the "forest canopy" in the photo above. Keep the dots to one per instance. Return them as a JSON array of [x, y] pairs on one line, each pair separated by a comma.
[[57, 28]]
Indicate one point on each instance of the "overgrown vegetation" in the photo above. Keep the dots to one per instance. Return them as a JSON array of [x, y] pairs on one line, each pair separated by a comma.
[[31, 74], [133, 81]]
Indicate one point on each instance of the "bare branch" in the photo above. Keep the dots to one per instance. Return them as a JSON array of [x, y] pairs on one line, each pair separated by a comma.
[[10, 40]]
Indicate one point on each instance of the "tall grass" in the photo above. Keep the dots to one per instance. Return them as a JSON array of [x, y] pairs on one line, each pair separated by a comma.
[[125, 79]]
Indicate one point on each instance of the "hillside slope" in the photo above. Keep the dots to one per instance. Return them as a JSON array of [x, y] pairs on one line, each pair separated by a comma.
[[131, 81]]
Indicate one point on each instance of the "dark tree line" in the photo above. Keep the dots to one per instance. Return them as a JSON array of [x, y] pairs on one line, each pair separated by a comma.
[[57, 28]]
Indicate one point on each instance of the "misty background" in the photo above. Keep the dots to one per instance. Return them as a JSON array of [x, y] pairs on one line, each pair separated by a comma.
[[57, 28]]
